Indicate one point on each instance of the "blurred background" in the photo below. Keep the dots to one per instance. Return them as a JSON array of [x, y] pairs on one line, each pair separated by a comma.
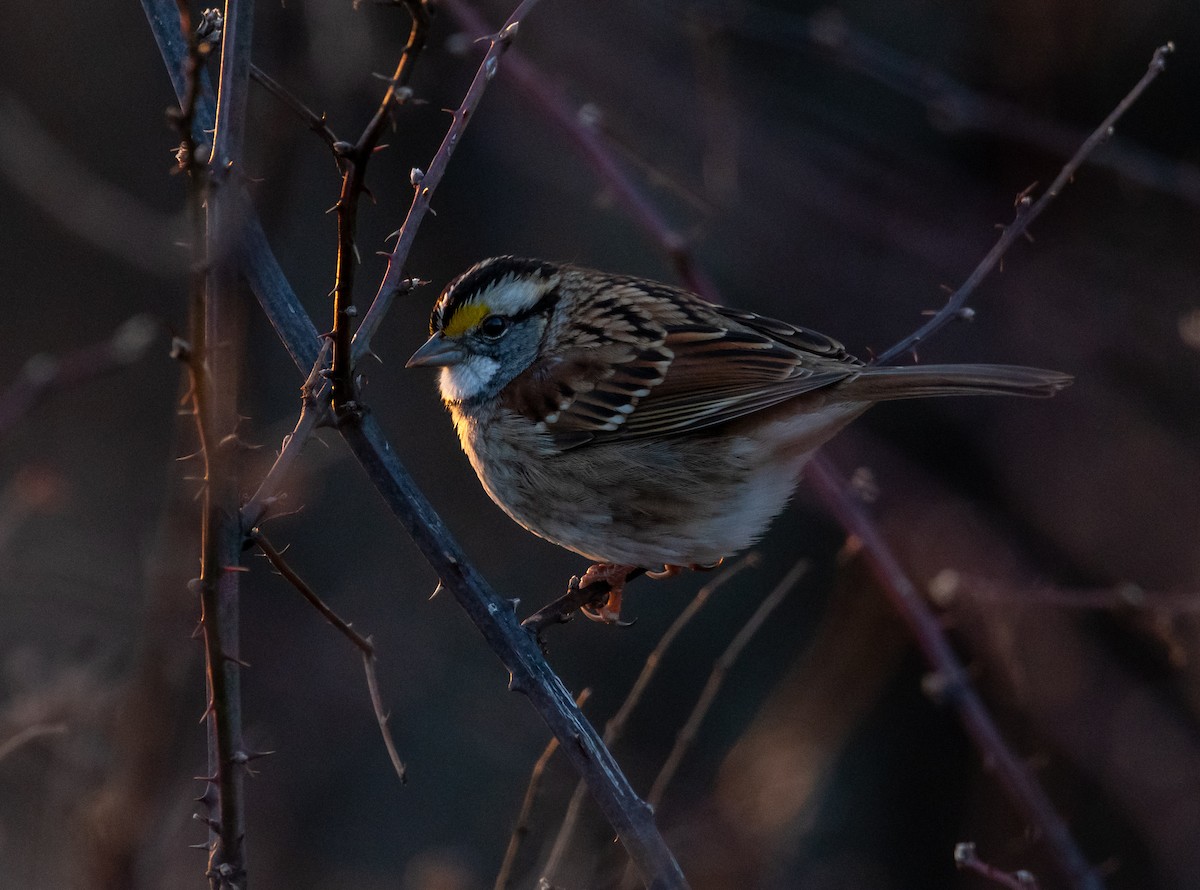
[[834, 166]]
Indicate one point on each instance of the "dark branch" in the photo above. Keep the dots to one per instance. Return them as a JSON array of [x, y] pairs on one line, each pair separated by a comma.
[[1027, 211], [521, 829], [966, 858], [44, 375], [953, 681], [316, 122], [952, 106], [353, 161], [493, 616], [424, 184], [533, 84], [363, 644], [616, 724], [212, 359]]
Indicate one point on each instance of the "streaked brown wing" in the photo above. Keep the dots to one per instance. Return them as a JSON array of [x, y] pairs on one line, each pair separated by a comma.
[[803, 340], [720, 374], [686, 372]]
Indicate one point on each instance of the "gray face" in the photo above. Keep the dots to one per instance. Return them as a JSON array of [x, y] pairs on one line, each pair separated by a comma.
[[488, 327], [495, 351]]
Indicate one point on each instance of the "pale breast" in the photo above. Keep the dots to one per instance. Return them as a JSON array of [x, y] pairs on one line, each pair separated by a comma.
[[680, 500]]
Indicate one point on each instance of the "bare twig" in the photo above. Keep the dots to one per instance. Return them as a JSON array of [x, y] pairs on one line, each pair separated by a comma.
[[314, 403], [688, 733], [951, 105], [425, 182], [316, 122], [493, 616], [1027, 211], [30, 734], [533, 84], [381, 717], [953, 683], [43, 375], [948, 585], [212, 359], [353, 159], [616, 725], [289, 574], [967, 859], [364, 645], [521, 829]]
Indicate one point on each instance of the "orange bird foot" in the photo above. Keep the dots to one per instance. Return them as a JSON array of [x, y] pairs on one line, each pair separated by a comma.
[[670, 571], [615, 576]]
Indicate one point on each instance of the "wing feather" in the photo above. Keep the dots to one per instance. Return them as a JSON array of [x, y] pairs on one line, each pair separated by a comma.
[[675, 364]]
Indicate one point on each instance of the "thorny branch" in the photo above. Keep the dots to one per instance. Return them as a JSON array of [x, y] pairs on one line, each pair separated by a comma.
[[589, 144], [212, 359], [616, 724], [353, 160], [521, 829], [953, 682], [314, 405], [1027, 211], [493, 616], [281, 307], [966, 858], [425, 182], [1024, 790], [364, 645], [951, 105]]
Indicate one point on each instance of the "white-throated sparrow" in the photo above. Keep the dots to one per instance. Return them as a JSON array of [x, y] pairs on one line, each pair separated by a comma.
[[640, 425]]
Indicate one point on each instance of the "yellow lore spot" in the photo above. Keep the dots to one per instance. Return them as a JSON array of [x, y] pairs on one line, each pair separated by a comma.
[[465, 318]]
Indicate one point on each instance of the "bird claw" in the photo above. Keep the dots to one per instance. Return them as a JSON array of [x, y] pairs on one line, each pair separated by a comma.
[[608, 611], [670, 571], [604, 614]]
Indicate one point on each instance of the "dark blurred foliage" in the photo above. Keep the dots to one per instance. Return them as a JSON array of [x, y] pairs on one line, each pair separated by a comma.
[[813, 192]]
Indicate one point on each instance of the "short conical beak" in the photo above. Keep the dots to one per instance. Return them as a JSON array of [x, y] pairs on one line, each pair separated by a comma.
[[437, 351]]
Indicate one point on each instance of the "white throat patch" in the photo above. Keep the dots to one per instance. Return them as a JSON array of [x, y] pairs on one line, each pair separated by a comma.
[[468, 378]]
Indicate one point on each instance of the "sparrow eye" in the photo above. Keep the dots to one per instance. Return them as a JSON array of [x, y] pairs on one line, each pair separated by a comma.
[[493, 327]]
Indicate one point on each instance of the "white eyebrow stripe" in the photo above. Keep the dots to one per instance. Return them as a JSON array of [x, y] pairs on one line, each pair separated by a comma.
[[511, 295]]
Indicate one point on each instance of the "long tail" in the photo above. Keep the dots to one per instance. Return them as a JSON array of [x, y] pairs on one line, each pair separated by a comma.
[[920, 381]]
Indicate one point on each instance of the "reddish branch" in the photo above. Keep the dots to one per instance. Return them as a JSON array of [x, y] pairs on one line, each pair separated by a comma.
[[953, 682], [493, 616], [353, 160], [967, 859], [1027, 794], [616, 724], [212, 360], [590, 145], [521, 829], [425, 182], [951, 106]]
